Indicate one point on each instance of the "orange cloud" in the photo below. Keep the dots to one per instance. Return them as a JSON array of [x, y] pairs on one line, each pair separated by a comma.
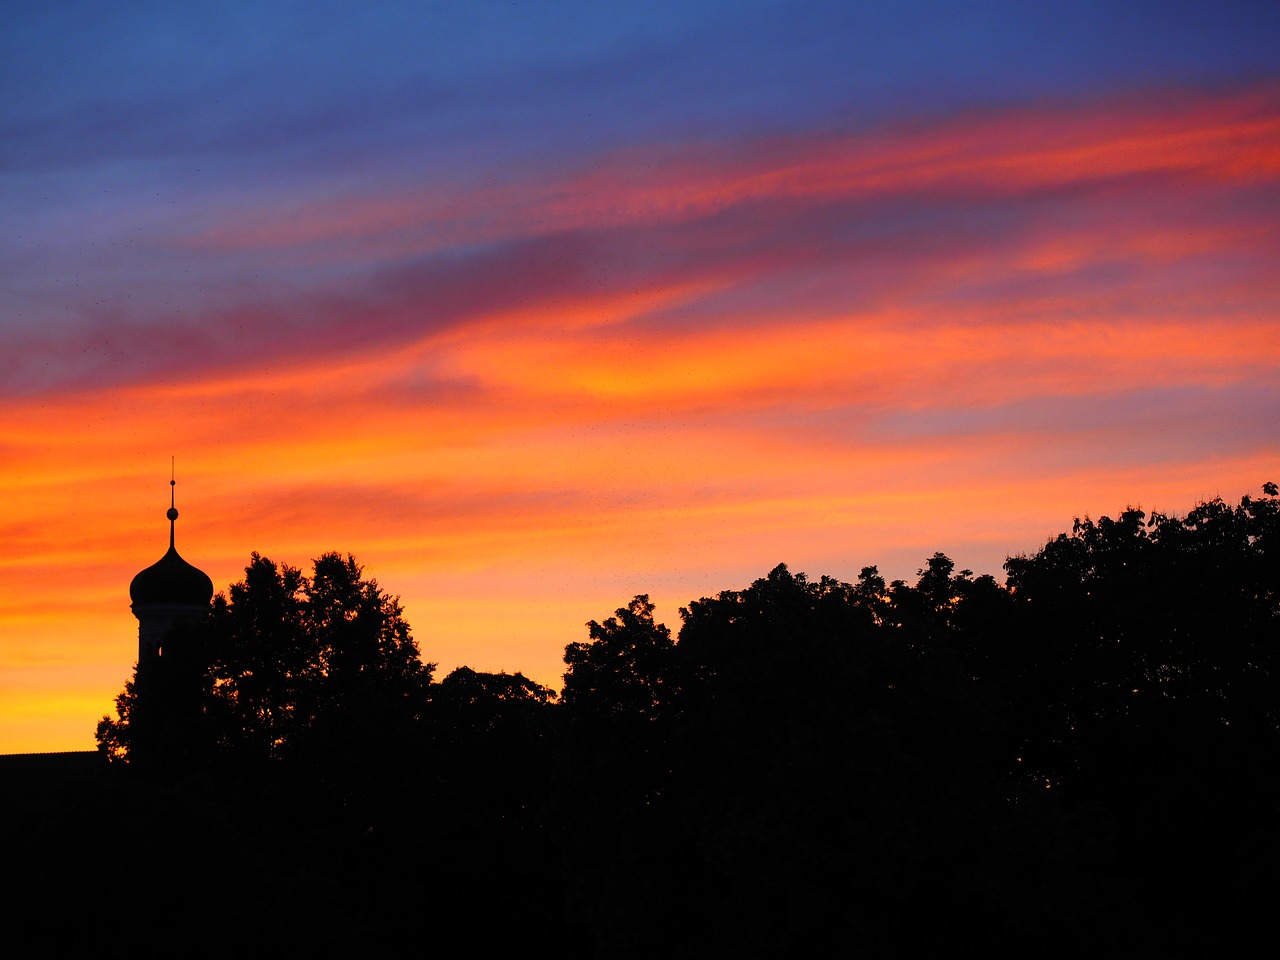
[[1233, 139]]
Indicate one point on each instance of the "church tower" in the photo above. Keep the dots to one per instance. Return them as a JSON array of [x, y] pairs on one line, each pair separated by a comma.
[[167, 596]]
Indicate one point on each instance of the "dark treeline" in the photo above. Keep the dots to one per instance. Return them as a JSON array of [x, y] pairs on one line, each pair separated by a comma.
[[1081, 760]]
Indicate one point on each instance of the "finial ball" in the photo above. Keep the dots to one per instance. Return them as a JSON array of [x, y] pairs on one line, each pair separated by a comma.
[[171, 513]]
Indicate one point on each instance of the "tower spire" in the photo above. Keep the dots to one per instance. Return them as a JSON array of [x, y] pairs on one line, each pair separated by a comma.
[[172, 513]]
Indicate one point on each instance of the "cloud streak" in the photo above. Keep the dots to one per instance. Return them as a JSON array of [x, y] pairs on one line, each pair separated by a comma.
[[1010, 208]]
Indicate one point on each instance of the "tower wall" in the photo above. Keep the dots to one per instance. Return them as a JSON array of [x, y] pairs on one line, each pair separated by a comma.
[[158, 622]]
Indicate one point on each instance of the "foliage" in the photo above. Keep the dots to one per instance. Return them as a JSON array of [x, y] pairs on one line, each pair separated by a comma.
[[1085, 756], [490, 754], [625, 668], [1069, 755], [286, 664], [793, 732], [1143, 625]]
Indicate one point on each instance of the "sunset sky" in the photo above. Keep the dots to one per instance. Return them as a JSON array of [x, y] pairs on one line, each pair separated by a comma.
[[535, 307]]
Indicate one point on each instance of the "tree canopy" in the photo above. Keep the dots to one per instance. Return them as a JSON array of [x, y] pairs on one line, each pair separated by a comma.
[[283, 660], [1086, 756]]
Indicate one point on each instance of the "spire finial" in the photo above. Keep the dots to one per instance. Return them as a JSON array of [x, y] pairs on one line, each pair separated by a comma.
[[172, 513]]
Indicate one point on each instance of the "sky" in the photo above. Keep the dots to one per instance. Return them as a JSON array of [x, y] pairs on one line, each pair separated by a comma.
[[536, 307]]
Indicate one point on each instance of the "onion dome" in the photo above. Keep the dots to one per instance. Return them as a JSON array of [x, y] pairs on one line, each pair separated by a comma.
[[171, 580]]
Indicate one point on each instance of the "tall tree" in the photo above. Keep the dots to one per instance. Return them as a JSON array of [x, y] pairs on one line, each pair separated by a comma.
[[625, 669]]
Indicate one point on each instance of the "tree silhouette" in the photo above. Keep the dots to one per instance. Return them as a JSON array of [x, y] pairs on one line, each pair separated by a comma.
[[1084, 757], [286, 665], [266, 661], [625, 670], [1147, 695]]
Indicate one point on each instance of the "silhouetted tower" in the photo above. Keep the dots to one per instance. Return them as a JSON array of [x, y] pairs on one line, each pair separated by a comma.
[[167, 596]]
